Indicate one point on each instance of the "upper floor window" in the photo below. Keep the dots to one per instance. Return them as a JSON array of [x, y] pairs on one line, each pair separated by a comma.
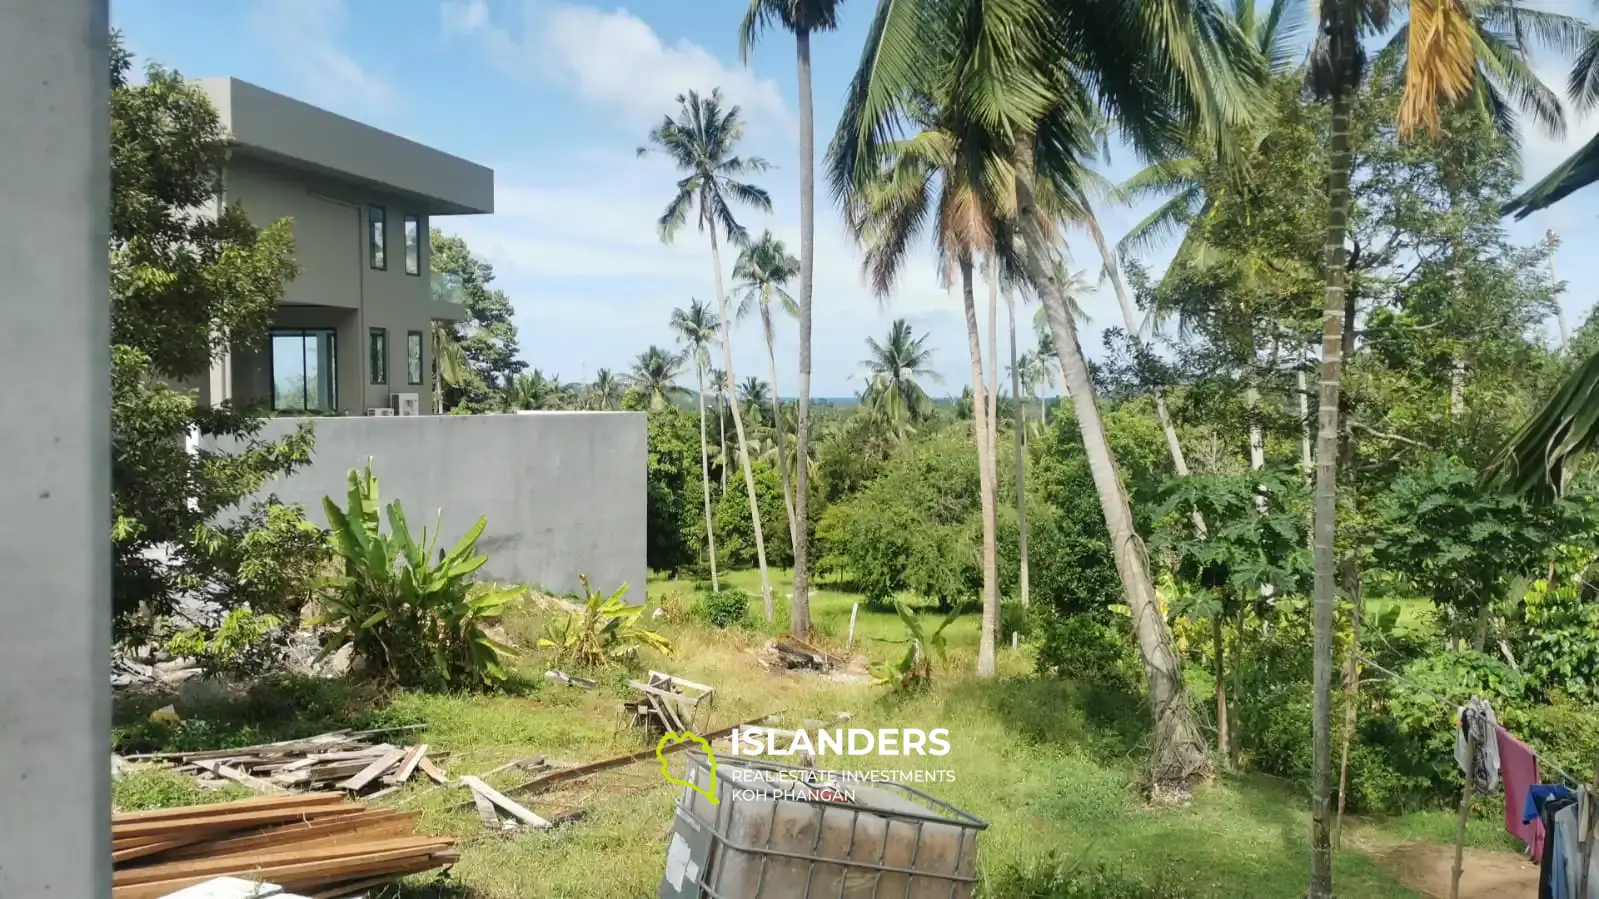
[[413, 245], [377, 239]]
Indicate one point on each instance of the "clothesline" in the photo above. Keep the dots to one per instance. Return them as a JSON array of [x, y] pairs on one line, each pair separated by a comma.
[[1451, 704]]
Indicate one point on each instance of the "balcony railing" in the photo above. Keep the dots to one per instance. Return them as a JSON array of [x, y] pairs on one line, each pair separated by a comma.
[[447, 288]]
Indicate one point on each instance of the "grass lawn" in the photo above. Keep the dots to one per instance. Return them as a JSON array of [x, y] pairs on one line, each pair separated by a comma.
[[1048, 764]]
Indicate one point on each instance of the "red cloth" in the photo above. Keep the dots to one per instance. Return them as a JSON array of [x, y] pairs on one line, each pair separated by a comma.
[[1518, 767]]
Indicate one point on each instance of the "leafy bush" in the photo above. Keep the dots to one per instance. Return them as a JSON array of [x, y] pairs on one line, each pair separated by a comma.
[[413, 620], [1089, 648], [723, 608], [242, 644], [604, 631], [914, 670], [1014, 619]]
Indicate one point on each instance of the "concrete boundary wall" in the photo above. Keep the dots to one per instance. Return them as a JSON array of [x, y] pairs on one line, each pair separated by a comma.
[[564, 492]]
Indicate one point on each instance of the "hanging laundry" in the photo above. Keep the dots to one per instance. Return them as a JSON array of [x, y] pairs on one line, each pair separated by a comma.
[[1543, 801], [1477, 725], [1519, 765]]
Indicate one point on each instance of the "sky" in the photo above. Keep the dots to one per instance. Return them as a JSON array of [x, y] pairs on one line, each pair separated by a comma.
[[556, 97]]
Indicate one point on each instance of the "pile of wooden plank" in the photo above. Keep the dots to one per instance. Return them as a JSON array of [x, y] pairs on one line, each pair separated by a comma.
[[318, 844], [667, 703], [336, 760], [795, 653]]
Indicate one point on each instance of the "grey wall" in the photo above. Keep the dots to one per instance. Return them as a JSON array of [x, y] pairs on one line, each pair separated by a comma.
[[564, 492]]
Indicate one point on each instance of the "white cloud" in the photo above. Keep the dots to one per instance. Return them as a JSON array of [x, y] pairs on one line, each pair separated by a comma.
[[304, 35], [612, 59]]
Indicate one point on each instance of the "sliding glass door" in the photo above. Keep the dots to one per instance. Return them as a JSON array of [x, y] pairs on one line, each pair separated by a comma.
[[304, 371]]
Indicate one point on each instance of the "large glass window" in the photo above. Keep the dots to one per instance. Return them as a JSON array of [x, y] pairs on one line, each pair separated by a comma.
[[413, 357], [413, 245], [377, 237], [304, 371], [377, 342]]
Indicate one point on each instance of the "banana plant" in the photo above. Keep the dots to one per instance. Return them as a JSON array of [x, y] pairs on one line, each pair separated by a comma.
[[913, 670], [603, 631], [418, 621]]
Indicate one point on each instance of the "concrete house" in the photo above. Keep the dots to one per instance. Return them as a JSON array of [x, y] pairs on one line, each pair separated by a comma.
[[353, 333]]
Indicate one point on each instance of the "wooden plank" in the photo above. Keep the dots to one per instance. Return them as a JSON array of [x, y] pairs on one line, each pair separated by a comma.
[[353, 887], [408, 764], [155, 848], [332, 870], [219, 823], [286, 834], [216, 867], [683, 681], [485, 812], [499, 799], [370, 772], [544, 781], [439, 775], [222, 769], [227, 808]]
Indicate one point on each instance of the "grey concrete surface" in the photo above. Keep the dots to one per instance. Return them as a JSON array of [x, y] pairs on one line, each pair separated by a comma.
[[55, 695], [564, 492]]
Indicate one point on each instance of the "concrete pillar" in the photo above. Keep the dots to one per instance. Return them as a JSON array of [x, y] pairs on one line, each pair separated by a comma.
[[55, 493]]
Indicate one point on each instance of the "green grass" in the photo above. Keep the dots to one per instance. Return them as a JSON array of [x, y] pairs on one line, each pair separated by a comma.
[[1051, 766]]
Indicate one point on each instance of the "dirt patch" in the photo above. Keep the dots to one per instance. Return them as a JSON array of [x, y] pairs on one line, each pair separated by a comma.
[[1428, 867]]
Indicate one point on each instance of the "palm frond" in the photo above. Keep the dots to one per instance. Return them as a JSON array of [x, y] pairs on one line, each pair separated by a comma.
[[1577, 172], [1533, 462]]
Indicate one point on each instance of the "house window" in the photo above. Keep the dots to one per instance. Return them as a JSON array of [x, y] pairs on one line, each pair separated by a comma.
[[413, 245], [413, 357], [377, 342], [304, 371], [377, 239]]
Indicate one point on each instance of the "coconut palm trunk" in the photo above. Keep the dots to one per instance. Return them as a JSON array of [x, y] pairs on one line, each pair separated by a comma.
[[1179, 752], [705, 472], [721, 423], [1021, 477], [738, 425], [1327, 426], [777, 422], [985, 481], [800, 605]]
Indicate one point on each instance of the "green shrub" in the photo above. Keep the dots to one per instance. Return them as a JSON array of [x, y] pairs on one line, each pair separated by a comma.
[[604, 631], [412, 620], [914, 670], [1014, 619], [724, 608], [244, 643], [1089, 648]]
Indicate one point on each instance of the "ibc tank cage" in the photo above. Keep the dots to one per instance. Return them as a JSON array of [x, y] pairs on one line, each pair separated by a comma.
[[782, 832]]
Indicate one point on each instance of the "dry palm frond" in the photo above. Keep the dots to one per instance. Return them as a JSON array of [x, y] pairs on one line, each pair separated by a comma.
[[1442, 63]]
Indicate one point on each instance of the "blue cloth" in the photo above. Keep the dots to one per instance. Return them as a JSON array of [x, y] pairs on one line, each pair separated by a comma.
[[1537, 795]]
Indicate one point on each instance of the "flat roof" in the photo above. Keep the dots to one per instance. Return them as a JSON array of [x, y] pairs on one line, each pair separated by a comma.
[[268, 125]]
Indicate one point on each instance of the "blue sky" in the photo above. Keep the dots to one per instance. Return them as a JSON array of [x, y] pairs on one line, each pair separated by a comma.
[[555, 96]]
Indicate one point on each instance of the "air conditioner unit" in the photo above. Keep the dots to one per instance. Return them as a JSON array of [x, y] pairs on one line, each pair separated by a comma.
[[380, 412], [406, 403]]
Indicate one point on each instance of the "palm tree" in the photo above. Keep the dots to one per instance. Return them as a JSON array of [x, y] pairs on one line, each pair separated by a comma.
[[801, 18], [893, 367], [929, 176], [753, 396], [536, 391], [1023, 85], [719, 383], [763, 270], [700, 142], [1023, 582], [654, 376], [606, 391], [696, 330], [450, 370], [1452, 54]]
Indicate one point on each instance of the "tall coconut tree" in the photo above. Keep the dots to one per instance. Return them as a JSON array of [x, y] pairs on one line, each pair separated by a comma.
[[930, 176], [1452, 54], [606, 391], [701, 142], [763, 271], [802, 18], [892, 368], [723, 388], [1023, 84], [654, 376], [695, 328], [1024, 575], [450, 370], [754, 395]]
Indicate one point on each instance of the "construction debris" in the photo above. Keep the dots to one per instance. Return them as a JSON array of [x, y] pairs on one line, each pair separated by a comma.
[[795, 653], [340, 759], [668, 704], [316, 843]]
